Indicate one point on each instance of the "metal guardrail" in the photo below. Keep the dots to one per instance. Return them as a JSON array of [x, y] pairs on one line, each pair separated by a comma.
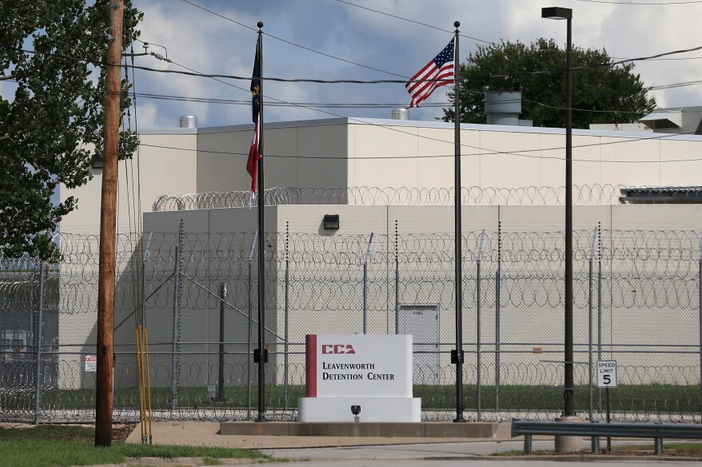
[[657, 431]]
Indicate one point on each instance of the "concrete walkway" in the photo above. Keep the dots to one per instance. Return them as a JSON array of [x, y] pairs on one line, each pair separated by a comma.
[[207, 434], [346, 451]]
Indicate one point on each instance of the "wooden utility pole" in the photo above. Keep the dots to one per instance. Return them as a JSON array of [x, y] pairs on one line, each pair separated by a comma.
[[108, 236]]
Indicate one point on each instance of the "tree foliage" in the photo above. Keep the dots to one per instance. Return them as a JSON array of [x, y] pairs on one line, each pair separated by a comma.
[[52, 92], [603, 92]]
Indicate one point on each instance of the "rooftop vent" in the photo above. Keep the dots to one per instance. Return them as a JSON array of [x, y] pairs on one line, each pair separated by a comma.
[[188, 121], [400, 114], [504, 107], [682, 121]]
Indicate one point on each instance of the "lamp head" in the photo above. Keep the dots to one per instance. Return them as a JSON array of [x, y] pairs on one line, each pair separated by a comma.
[[556, 12]]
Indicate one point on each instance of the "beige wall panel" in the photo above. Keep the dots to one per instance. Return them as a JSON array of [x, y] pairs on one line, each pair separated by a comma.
[[322, 156], [353, 220], [382, 156], [587, 166], [673, 171], [155, 171], [657, 217], [552, 160], [193, 221], [222, 160], [351, 145], [241, 219], [440, 219], [435, 161], [296, 157], [281, 161], [630, 161], [552, 218], [503, 162], [533, 219]]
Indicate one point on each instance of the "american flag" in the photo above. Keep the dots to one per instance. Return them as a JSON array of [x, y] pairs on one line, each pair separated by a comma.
[[438, 72]]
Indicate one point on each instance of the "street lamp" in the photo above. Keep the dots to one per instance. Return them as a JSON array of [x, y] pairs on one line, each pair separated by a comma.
[[567, 14]]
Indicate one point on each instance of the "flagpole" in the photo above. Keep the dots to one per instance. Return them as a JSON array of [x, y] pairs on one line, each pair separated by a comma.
[[458, 357], [262, 352]]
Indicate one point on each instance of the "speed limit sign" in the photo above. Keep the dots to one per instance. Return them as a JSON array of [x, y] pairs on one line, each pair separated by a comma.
[[606, 373]]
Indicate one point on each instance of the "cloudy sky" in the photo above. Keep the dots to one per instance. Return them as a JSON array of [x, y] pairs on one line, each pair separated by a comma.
[[380, 39]]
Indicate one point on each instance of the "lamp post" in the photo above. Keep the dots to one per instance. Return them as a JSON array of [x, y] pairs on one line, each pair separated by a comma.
[[567, 14]]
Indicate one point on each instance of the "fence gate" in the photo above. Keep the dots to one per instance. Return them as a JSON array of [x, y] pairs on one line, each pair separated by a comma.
[[422, 321]]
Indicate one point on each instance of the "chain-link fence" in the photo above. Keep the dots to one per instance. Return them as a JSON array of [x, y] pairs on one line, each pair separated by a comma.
[[636, 301]]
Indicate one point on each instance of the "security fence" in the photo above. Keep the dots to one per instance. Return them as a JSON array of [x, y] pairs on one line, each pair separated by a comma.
[[636, 300], [595, 194]]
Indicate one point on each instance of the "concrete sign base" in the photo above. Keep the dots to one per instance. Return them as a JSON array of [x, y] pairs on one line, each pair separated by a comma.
[[373, 409]]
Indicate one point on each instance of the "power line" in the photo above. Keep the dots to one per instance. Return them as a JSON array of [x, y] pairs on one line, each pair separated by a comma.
[[679, 59], [355, 105], [348, 105], [280, 101], [192, 72], [412, 21], [293, 43], [371, 105]]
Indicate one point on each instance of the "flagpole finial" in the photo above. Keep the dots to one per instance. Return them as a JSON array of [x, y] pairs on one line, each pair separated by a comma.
[[260, 24], [456, 24]]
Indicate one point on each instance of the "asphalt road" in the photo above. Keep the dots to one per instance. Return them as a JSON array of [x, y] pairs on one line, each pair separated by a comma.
[[450, 454]]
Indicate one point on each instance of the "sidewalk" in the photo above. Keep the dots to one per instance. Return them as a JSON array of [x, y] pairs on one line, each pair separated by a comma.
[[207, 434], [346, 451]]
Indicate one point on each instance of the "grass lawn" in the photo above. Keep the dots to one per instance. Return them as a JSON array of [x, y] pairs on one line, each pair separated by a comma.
[[61, 446], [670, 449]]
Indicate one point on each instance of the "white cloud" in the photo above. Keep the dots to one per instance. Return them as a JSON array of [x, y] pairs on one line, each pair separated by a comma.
[[211, 44]]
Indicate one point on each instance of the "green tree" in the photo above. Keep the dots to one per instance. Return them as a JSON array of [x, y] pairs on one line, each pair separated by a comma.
[[603, 92], [52, 92]]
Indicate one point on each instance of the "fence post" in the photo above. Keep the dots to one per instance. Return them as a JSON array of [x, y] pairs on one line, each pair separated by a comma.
[[599, 306], [143, 280], [37, 339], [174, 343], [497, 316], [220, 382], [176, 320], [478, 347], [699, 288], [589, 325], [287, 308], [365, 285], [248, 353], [397, 283]]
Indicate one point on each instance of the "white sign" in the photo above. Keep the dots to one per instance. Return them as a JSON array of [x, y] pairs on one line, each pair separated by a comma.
[[359, 365], [606, 373], [360, 378], [90, 363]]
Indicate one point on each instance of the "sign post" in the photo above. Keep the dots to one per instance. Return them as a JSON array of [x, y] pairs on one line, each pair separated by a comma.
[[607, 378]]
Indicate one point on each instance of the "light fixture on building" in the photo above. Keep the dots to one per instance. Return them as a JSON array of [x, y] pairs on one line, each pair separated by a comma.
[[331, 222], [97, 162]]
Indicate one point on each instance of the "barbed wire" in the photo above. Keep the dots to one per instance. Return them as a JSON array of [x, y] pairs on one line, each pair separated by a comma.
[[372, 196]]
